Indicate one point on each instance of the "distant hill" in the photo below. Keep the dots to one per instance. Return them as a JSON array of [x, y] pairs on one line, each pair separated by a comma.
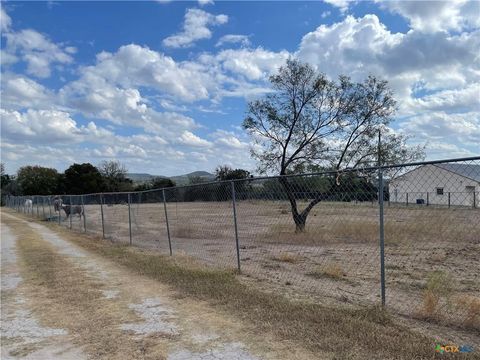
[[140, 177], [184, 179], [179, 179]]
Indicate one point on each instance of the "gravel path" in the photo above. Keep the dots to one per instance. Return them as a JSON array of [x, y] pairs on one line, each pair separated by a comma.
[[21, 332], [188, 330]]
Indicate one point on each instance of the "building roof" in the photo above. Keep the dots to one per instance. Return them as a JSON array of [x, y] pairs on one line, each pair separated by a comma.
[[466, 170]]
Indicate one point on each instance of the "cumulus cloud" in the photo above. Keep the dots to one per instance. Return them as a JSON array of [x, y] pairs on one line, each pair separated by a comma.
[[134, 65], [190, 139], [359, 46], [433, 72], [460, 128], [433, 16], [19, 92], [195, 27], [451, 100], [45, 126], [37, 50], [233, 39], [253, 64]]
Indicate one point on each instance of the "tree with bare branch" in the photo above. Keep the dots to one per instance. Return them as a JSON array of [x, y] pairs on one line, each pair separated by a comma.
[[310, 121]]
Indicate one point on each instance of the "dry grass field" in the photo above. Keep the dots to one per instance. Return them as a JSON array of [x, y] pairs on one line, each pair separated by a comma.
[[431, 254]]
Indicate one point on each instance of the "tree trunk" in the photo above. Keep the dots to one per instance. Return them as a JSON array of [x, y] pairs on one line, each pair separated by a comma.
[[300, 222], [300, 219]]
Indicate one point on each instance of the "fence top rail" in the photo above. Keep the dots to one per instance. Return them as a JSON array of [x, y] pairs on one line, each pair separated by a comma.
[[259, 178]]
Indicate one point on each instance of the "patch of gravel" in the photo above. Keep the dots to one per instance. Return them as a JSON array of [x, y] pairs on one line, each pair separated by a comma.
[[230, 351], [8, 254], [156, 317], [22, 324], [110, 294], [62, 246], [10, 281], [204, 338]]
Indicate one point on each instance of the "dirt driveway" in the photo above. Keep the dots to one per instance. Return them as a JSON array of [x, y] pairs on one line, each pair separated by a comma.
[[61, 302]]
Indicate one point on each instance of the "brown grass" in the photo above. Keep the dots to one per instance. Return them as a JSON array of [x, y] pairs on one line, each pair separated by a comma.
[[332, 271], [331, 223], [287, 257], [333, 332], [430, 305], [470, 306], [437, 291]]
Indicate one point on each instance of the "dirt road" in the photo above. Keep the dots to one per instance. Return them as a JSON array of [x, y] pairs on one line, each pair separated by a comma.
[[61, 302]]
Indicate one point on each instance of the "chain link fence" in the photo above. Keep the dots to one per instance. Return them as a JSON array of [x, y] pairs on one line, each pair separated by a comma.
[[406, 236]]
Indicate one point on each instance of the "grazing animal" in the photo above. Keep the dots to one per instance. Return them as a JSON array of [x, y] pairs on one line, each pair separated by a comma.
[[57, 204], [72, 210], [28, 205]]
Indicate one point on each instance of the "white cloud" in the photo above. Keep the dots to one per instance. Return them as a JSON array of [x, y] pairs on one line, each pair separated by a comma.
[[341, 4], [133, 65], [21, 92], [452, 100], [433, 16], [360, 46], [234, 39], [115, 151], [437, 126], [37, 51], [253, 64], [7, 59], [195, 27], [205, 2], [434, 74], [46, 126], [190, 139], [229, 140], [5, 20]]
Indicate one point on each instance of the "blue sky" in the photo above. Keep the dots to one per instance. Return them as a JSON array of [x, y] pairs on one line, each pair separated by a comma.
[[163, 86]]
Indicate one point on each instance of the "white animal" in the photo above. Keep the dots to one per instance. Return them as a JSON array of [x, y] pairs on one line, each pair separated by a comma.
[[28, 205]]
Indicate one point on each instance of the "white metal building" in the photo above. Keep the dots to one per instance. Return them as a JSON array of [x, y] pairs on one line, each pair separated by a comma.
[[439, 184]]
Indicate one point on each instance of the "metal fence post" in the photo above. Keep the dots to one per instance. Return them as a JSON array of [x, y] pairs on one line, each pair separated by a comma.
[[101, 211], [474, 200], [38, 210], [449, 199], [235, 224], [43, 206], [381, 219], [129, 220], [382, 235], [407, 198], [166, 220], [49, 200], [428, 200], [84, 216], [70, 211], [60, 203]]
